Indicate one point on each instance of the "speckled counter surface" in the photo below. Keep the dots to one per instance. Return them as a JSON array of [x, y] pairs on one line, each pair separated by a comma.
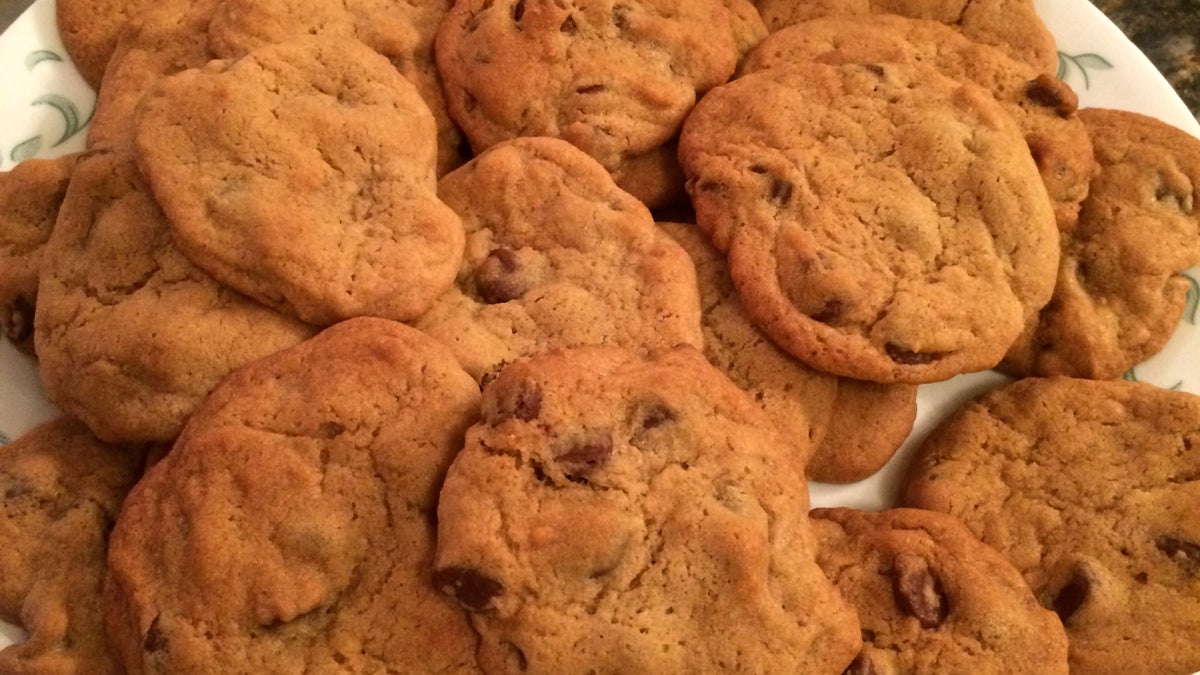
[[1168, 32]]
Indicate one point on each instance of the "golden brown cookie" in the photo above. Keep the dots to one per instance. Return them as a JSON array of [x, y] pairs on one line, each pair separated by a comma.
[[557, 256], [130, 335], [30, 196], [1011, 25], [311, 188], [1092, 490], [89, 30], [163, 40], [612, 513], [1120, 293], [291, 528], [62, 492], [1042, 105], [842, 429], [401, 31], [614, 79], [882, 222], [934, 599]]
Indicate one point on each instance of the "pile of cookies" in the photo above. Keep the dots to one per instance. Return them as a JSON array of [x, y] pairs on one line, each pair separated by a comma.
[[504, 336]]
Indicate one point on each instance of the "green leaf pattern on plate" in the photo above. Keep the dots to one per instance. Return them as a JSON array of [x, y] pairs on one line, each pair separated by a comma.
[[1083, 63], [3, 438], [73, 122], [1193, 299]]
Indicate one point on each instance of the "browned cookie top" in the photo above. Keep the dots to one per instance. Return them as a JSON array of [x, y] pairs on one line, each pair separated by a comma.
[[1012, 25], [1120, 293], [311, 186], [842, 429], [131, 335], [89, 30], [882, 222], [30, 196], [1092, 490], [166, 38], [932, 598], [291, 528], [612, 513], [615, 79], [1043, 106], [62, 492], [557, 256], [401, 31]]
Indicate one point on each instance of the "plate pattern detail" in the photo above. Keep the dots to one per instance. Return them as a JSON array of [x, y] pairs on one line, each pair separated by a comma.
[[1081, 63], [72, 121]]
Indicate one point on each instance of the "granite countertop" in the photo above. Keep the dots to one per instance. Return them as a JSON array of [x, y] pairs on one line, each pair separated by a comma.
[[1167, 32]]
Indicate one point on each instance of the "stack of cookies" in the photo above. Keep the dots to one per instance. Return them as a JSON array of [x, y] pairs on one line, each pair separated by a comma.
[[504, 336]]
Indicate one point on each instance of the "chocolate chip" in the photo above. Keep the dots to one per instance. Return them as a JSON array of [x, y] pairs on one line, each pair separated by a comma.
[[1050, 92], [588, 453], [874, 68], [910, 358], [1185, 553], [496, 279], [780, 191], [472, 589], [655, 415], [330, 430], [758, 168], [527, 404], [829, 311], [154, 641], [18, 319], [620, 16], [568, 25], [862, 664], [1071, 597], [918, 592], [591, 89], [518, 10]]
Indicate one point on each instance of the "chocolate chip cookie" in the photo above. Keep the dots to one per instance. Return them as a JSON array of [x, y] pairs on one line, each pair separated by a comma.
[[617, 513], [1011, 25], [30, 196], [842, 429], [1043, 106], [89, 31], [1120, 293], [614, 79], [62, 492], [291, 528], [310, 186], [1092, 490], [129, 333], [934, 599], [557, 256], [882, 222], [401, 31]]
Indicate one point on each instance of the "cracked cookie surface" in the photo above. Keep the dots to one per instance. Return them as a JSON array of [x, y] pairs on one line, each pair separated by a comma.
[[1043, 106], [616, 79], [612, 513], [557, 256], [1120, 292], [303, 175], [130, 334], [291, 527], [62, 490], [1092, 490], [934, 599], [882, 222]]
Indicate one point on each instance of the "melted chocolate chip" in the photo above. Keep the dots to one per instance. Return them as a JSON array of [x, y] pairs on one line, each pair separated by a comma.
[[1050, 92], [918, 592], [591, 89], [527, 404], [330, 430], [154, 641], [518, 10], [590, 453], [472, 589], [862, 664], [496, 278], [780, 191], [1184, 552], [568, 25], [830, 311], [909, 358]]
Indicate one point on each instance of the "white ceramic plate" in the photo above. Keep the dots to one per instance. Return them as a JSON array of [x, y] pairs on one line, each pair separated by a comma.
[[45, 105]]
